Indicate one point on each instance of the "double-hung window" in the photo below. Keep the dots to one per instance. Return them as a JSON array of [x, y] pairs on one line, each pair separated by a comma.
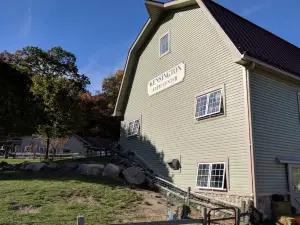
[[209, 104], [133, 128], [164, 44], [211, 176]]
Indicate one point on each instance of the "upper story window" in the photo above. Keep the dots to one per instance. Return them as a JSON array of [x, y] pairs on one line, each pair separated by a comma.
[[209, 104], [164, 44], [133, 128], [211, 176]]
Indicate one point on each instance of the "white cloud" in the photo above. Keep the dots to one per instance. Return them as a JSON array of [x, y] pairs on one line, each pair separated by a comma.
[[253, 9], [26, 26]]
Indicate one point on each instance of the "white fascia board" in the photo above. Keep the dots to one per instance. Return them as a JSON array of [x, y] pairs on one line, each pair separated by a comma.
[[266, 65]]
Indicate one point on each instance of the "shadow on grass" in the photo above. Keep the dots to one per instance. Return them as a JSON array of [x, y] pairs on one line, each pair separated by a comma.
[[59, 176]]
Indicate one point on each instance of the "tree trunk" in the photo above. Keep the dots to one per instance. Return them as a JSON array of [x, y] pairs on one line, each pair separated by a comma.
[[6, 153], [53, 153], [47, 148]]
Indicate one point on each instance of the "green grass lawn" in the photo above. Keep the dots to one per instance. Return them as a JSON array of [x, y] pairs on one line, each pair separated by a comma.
[[97, 159], [58, 198], [15, 161]]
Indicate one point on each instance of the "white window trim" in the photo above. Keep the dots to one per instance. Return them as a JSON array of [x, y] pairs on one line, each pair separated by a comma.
[[210, 168], [136, 133], [169, 41], [222, 106]]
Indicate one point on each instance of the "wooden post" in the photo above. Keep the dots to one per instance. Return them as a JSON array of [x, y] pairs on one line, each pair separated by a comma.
[[238, 216], [204, 215], [188, 196], [80, 220]]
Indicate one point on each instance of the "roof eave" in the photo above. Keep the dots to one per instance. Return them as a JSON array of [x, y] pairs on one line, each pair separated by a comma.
[[246, 58]]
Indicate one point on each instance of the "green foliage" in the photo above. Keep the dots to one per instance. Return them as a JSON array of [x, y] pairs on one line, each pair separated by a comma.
[[97, 109], [19, 109], [56, 85], [110, 88]]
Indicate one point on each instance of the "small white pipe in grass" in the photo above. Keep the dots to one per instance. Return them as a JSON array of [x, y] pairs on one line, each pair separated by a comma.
[[80, 220]]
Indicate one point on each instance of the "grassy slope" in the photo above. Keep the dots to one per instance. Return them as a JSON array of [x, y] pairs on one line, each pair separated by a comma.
[[81, 160], [40, 198], [15, 161]]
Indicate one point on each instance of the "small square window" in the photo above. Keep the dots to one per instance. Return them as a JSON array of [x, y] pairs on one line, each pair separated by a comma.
[[211, 176], [164, 44], [133, 128], [209, 104]]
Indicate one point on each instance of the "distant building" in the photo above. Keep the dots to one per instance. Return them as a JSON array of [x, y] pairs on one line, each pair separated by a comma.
[[75, 144]]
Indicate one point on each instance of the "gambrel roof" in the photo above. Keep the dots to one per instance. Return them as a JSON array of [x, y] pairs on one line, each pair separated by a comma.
[[255, 41], [247, 42]]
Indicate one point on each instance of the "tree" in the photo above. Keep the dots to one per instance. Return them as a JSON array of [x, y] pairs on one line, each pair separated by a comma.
[[97, 109], [110, 89], [56, 85], [18, 107], [96, 118]]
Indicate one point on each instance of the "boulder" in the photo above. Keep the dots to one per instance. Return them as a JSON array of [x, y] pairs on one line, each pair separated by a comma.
[[111, 170], [134, 175], [17, 166], [90, 169], [82, 169], [68, 167], [94, 169], [24, 165], [50, 167], [35, 166], [7, 167]]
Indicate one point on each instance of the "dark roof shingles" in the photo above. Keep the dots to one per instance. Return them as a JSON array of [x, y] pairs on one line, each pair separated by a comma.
[[255, 41]]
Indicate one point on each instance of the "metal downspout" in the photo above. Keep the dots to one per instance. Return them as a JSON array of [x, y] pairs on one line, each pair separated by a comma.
[[250, 127]]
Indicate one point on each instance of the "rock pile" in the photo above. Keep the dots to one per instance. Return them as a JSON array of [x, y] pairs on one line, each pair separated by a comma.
[[132, 175]]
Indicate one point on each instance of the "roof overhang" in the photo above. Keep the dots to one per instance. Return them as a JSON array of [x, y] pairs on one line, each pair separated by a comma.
[[246, 59]]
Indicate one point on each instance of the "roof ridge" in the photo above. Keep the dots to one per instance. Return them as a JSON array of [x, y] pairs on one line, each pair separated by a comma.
[[219, 5]]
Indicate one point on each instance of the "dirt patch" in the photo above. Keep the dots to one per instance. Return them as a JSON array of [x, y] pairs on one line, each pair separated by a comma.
[[151, 207], [87, 201], [29, 209], [154, 207], [23, 208]]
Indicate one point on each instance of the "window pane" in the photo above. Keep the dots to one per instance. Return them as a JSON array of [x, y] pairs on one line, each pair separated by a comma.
[[214, 103], [133, 127], [130, 128], [203, 175], [136, 126], [201, 106], [164, 44], [217, 175]]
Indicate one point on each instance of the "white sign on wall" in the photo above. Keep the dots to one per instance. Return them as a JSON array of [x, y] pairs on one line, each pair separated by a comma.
[[167, 79]]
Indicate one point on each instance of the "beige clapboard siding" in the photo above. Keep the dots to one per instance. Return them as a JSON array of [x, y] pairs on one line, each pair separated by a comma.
[[276, 131], [168, 117]]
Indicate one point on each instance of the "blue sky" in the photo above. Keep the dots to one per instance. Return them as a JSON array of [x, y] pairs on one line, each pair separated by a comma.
[[100, 32]]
